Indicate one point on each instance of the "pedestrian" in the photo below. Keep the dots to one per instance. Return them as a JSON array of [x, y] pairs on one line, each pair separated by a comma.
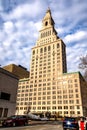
[[81, 124]]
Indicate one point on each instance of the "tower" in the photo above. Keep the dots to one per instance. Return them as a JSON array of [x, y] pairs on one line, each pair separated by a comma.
[[47, 63], [50, 88]]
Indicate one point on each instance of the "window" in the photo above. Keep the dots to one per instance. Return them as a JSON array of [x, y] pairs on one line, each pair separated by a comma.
[[5, 112], [77, 95], [70, 81], [21, 108], [33, 52], [77, 101], [1, 110], [71, 107], [72, 112], [71, 96], [41, 50], [54, 102], [76, 90], [54, 97], [76, 85], [45, 49], [59, 102], [75, 80], [5, 96], [65, 112], [60, 107], [78, 112], [48, 48], [71, 101], [65, 101], [48, 97], [43, 108], [64, 96], [78, 107], [54, 107], [46, 23], [57, 45], [43, 103], [65, 107]]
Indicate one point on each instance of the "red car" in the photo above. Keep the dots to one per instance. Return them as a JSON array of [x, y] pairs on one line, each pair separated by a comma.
[[16, 120]]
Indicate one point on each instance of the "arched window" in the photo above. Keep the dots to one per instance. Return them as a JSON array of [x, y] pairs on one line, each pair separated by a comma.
[[57, 45], [49, 48], [46, 33], [41, 50], [33, 52], [50, 32], [44, 49], [41, 35], [46, 23], [53, 46]]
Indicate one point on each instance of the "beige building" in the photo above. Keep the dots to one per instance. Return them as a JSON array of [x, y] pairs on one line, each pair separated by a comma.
[[51, 88], [18, 71], [8, 93], [22, 105]]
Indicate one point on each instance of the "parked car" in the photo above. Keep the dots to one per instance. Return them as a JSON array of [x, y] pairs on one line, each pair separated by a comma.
[[70, 123], [44, 119], [15, 120]]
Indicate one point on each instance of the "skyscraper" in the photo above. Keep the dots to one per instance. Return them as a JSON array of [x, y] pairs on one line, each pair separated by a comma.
[[51, 88]]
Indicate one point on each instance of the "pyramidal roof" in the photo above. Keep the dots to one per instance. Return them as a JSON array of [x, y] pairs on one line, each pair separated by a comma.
[[48, 15]]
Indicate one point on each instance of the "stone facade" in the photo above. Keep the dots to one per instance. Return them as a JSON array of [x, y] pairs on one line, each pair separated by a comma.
[[51, 88], [22, 105], [8, 93]]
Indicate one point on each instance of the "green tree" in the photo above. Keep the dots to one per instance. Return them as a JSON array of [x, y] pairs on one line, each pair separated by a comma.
[[83, 66]]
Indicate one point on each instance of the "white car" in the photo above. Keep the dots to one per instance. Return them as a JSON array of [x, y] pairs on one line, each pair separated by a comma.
[[44, 119]]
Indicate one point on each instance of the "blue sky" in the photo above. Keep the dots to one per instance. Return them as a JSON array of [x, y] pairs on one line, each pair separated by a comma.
[[20, 21]]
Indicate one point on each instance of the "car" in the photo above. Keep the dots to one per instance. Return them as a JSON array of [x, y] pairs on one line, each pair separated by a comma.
[[70, 123], [16, 120], [44, 119]]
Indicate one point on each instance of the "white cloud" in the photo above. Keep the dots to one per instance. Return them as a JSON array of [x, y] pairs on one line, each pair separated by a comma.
[[73, 55], [27, 10], [8, 27], [79, 35]]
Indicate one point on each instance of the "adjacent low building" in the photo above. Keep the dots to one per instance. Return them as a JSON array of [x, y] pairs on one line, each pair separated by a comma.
[[22, 105], [18, 70], [8, 93]]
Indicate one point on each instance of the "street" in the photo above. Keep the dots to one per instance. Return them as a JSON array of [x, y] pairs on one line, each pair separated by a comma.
[[53, 125]]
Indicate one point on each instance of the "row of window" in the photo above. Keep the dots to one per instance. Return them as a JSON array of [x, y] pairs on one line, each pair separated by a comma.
[[41, 66], [54, 107], [59, 98], [59, 102], [47, 33], [46, 49]]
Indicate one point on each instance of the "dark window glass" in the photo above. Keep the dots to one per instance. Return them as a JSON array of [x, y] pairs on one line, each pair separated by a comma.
[[1, 110], [5, 112], [5, 96]]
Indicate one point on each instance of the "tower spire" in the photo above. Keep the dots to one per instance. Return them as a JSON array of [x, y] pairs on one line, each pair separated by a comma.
[[48, 10], [48, 30], [47, 20]]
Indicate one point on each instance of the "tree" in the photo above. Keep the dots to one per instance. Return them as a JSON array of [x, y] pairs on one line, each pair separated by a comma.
[[83, 65]]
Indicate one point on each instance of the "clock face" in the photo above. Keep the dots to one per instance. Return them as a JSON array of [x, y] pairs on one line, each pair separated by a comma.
[[46, 23]]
